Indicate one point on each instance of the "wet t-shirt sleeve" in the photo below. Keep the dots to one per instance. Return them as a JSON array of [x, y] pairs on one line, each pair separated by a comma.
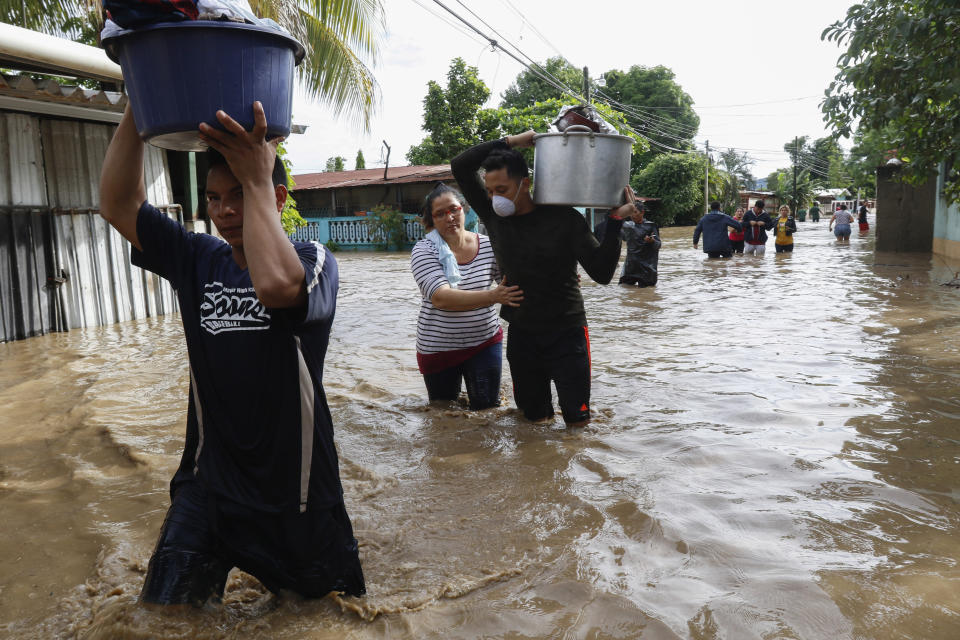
[[322, 278], [167, 247], [426, 268]]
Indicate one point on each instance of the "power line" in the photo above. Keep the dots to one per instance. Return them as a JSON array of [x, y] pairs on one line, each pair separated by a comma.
[[536, 31], [547, 76], [655, 123], [494, 43], [684, 132], [449, 22], [744, 104]]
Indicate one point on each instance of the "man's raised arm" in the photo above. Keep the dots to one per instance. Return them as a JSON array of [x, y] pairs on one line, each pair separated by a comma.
[[121, 180], [465, 168]]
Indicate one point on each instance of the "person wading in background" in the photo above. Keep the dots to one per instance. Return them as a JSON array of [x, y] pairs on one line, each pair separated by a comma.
[[736, 236], [843, 219], [755, 226], [259, 484], [784, 228], [643, 249], [538, 249], [713, 226]]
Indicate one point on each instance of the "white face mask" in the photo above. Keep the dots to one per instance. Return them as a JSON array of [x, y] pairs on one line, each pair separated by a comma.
[[505, 207]]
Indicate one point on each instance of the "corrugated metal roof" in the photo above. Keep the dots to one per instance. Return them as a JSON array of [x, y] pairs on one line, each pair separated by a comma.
[[22, 181], [50, 91], [369, 177], [74, 168], [64, 158]]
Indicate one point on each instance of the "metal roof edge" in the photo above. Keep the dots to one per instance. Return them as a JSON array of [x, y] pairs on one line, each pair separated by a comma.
[[75, 111]]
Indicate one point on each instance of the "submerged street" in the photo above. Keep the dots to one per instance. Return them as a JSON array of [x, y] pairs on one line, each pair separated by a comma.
[[773, 455]]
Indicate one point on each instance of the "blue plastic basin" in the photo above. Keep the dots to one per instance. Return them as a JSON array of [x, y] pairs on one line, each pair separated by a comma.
[[178, 74]]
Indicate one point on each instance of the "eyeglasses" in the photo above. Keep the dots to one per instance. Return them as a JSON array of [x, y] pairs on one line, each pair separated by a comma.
[[454, 209]]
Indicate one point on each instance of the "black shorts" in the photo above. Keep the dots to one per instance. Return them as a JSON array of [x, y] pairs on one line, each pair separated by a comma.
[[737, 246], [311, 553], [784, 248], [536, 358]]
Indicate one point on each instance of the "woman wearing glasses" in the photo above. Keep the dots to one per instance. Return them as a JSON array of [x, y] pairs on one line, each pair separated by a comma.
[[458, 332]]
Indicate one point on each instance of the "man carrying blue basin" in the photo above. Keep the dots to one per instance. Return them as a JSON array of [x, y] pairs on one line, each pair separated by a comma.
[[258, 485]]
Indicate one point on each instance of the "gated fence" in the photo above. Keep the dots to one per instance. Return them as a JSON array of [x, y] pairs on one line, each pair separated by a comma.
[[353, 232]]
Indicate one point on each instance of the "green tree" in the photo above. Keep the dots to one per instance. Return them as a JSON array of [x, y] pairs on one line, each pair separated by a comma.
[[735, 175], [773, 180], [838, 175], [783, 188], [677, 179], [530, 87], [451, 116], [823, 154], [289, 216], [899, 75], [539, 116], [871, 149], [472, 124], [342, 38], [386, 225], [335, 164], [360, 163], [73, 19], [655, 105]]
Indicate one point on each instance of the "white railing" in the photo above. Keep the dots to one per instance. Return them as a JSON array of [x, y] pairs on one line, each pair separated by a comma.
[[352, 231]]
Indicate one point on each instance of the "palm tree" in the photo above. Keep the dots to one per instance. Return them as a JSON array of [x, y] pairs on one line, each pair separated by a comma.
[[342, 38], [736, 169], [784, 190], [49, 16], [339, 36]]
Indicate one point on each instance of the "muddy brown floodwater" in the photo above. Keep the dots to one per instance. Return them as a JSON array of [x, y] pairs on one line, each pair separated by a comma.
[[774, 454]]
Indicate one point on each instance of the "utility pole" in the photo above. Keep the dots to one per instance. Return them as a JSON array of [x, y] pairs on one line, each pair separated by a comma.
[[586, 85], [796, 153], [706, 182], [386, 165]]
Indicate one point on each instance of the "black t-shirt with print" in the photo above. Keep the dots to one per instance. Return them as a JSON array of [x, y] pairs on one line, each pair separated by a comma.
[[259, 432]]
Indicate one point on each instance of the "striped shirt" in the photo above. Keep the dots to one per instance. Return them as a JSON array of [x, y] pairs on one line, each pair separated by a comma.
[[439, 330]]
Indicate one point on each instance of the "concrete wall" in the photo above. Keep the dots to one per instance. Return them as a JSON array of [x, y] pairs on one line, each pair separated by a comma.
[[905, 213], [946, 224]]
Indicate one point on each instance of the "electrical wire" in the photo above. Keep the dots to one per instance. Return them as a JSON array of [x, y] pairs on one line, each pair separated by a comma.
[[745, 104], [494, 43], [449, 22], [653, 123]]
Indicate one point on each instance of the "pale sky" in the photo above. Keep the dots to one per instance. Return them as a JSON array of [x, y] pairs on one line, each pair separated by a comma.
[[728, 56]]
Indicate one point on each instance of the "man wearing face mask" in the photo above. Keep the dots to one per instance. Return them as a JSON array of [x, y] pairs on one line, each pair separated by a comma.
[[538, 248]]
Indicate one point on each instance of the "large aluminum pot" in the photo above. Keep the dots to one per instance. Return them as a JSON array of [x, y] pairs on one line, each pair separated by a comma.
[[580, 168]]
